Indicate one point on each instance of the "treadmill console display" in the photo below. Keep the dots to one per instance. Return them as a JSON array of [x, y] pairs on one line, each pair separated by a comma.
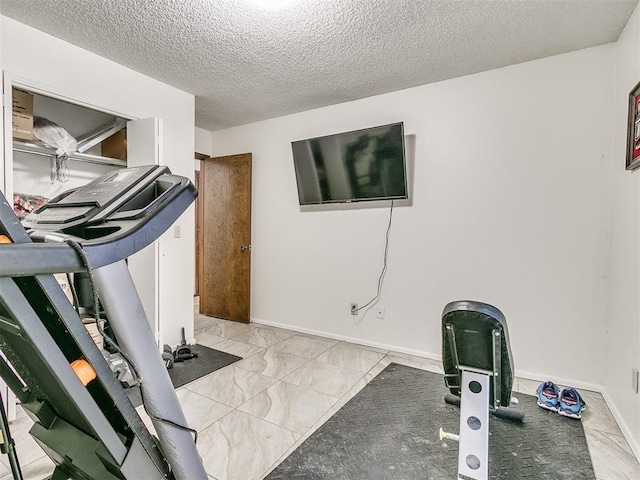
[[86, 202]]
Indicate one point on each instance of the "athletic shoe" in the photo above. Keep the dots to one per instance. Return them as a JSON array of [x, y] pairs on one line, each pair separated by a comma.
[[548, 396], [571, 403]]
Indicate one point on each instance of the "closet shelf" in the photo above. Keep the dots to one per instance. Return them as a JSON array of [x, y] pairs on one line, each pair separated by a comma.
[[98, 135], [26, 147]]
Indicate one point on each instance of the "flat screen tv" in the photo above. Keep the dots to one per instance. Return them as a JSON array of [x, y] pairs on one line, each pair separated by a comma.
[[356, 166]]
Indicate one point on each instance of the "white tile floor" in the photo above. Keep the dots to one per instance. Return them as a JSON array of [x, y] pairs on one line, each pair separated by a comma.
[[252, 414]]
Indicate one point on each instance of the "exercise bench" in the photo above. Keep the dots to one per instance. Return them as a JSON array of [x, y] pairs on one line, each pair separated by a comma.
[[478, 370]]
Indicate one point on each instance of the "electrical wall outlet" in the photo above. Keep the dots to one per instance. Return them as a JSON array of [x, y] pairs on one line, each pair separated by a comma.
[[380, 313], [354, 309], [634, 379]]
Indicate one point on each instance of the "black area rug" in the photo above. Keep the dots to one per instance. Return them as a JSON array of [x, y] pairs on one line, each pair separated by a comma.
[[389, 431], [207, 361]]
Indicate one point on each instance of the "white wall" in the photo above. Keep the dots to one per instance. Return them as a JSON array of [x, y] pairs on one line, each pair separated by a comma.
[[203, 145], [57, 66], [509, 207], [202, 141], [34, 178], [623, 335]]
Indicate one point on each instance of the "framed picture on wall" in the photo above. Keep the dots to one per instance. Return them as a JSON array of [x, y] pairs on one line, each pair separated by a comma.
[[633, 129]]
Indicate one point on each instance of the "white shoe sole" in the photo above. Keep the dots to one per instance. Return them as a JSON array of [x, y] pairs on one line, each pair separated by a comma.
[[577, 416], [547, 407]]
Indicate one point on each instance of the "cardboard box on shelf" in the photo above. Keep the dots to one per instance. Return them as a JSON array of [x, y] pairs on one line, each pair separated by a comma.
[[22, 115], [89, 322], [64, 284], [116, 145], [92, 328]]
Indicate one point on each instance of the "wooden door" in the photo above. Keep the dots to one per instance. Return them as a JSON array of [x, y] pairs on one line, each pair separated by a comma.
[[226, 237]]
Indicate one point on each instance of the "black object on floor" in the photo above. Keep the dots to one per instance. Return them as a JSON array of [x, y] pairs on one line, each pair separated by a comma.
[[389, 431], [184, 351], [207, 361]]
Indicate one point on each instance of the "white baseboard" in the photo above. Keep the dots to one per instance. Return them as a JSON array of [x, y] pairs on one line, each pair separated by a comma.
[[175, 346], [622, 424], [344, 338], [432, 356], [593, 387]]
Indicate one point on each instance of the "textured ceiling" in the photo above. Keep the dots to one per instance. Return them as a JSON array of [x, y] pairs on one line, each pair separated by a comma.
[[246, 62]]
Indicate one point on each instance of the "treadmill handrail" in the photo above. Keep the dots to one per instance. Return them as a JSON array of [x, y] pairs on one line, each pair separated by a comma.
[[28, 259]]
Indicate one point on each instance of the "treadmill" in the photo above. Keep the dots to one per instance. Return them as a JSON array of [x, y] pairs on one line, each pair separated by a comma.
[[84, 420]]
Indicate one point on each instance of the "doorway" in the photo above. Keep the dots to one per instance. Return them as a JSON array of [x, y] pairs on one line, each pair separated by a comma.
[[225, 251], [198, 184]]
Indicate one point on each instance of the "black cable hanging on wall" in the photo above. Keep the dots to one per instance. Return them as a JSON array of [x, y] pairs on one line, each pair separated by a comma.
[[375, 299]]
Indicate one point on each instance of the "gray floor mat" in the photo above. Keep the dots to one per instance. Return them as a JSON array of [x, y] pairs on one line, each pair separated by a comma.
[[208, 360], [389, 430]]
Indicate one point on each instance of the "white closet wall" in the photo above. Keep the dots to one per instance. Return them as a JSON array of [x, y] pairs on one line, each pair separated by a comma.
[[42, 60]]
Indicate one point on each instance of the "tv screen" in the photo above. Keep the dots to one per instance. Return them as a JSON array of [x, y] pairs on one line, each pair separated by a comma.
[[353, 166]]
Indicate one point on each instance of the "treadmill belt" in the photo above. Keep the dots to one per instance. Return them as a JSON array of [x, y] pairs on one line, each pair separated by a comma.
[[389, 431]]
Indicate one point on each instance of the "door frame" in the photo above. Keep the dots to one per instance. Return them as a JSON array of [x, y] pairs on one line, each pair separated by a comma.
[[199, 225], [229, 248], [11, 80]]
